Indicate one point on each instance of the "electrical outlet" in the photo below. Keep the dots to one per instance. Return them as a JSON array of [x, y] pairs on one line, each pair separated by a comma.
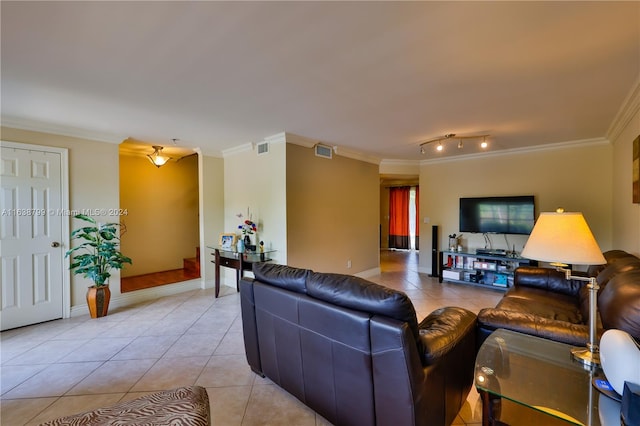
[[349, 263]]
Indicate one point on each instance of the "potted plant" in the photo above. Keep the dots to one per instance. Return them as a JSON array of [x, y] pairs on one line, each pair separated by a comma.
[[94, 258]]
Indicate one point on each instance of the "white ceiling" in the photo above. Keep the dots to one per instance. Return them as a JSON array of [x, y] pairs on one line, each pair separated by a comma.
[[371, 77]]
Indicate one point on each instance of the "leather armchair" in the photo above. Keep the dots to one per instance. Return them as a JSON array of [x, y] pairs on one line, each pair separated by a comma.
[[353, 350]]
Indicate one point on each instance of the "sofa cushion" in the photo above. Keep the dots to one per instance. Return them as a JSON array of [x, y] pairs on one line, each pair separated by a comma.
[[357, 293], [610, 256], [543, 304], [619, 303], [283, 276], [619, 265], [546, 279]]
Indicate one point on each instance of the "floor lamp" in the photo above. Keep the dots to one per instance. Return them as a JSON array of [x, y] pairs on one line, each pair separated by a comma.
[[564, 238]]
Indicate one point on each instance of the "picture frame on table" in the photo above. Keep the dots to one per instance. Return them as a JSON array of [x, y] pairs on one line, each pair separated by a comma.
[[227, 241]]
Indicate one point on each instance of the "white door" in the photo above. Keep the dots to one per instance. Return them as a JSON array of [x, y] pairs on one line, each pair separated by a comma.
[[31, 231]]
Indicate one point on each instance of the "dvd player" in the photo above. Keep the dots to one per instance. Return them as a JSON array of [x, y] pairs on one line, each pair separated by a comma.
[[498, 252]]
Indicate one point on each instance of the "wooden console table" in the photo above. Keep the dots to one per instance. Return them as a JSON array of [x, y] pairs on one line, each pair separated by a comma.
[[239, 261]]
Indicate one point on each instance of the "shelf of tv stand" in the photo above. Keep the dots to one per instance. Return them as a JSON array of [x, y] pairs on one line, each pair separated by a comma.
[[491, 270]]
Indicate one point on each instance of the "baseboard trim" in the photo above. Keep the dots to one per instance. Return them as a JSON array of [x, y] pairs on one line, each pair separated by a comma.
[[368, 273]]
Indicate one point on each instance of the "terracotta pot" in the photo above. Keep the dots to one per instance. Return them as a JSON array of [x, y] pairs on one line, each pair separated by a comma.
[[98, 300]]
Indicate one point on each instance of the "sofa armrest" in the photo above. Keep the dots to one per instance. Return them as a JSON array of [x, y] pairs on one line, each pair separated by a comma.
[[490, 319], [442, 330], [249, 327], [546, 279]]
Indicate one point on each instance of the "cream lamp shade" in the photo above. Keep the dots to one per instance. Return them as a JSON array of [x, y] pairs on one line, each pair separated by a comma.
[[563, 237]]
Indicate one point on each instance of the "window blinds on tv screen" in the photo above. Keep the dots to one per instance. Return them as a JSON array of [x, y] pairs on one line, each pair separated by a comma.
[[502, 215]]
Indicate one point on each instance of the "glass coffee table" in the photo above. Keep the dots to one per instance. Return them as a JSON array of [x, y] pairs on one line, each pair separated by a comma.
[[542, 380]]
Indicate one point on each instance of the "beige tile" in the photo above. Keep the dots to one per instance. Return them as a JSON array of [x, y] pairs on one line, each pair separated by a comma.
[[12, 348], [190, 345], [21, 411], [269, 404], [169, 326], [228, 404], [145, 347], [98, 349], [226, 370], [70, 405], [55, 380], [12, 376], [47, 352], [166, 373], [232, 343], [113, 376]]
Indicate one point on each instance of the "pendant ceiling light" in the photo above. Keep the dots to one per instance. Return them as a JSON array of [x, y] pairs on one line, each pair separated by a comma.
[[157, 158]]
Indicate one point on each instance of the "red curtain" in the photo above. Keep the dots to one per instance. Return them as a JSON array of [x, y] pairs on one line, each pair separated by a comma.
[[399, 217]]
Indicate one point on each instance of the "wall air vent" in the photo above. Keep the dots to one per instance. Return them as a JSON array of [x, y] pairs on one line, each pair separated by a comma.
[[262, 148], [323, 151]]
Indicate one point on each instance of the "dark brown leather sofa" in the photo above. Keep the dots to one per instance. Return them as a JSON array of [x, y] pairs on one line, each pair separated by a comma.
[[543, 303], [353, 351]]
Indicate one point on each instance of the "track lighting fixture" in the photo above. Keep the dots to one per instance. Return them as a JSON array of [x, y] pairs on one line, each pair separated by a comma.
[[448, 136]]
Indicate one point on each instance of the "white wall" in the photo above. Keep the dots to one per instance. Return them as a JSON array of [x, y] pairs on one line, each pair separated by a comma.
[[257, 182], [576, 177], [626, 214]]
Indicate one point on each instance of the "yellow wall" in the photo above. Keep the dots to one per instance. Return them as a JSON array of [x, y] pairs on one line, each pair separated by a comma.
[[577, 178], [162, 213], [332, 212]]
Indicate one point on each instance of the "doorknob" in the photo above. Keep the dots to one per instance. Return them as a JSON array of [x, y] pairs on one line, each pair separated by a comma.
[[55, 244]]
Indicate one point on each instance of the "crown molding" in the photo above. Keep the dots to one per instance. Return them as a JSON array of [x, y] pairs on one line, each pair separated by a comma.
[[399, 163], [538, 148], [62, 130], [230, 152], [627, 111], [250, 146]]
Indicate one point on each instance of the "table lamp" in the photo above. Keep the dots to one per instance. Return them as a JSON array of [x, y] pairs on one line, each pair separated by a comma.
[[564, 238]]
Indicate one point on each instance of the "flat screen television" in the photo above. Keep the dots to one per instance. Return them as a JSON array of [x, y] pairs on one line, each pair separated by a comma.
[[498, 215]]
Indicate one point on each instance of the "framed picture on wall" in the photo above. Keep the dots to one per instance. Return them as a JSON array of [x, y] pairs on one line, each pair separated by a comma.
[[227, 241], [636, 170]]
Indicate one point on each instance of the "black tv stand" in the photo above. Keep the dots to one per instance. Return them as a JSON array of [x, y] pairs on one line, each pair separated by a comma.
[[492, 270]]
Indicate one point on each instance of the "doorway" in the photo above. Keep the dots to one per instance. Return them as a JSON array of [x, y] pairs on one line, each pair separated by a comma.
[[412, 233], [34, 232], [161, 225]]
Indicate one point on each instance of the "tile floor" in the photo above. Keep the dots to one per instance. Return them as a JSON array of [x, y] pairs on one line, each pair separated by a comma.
[[67, 366]]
